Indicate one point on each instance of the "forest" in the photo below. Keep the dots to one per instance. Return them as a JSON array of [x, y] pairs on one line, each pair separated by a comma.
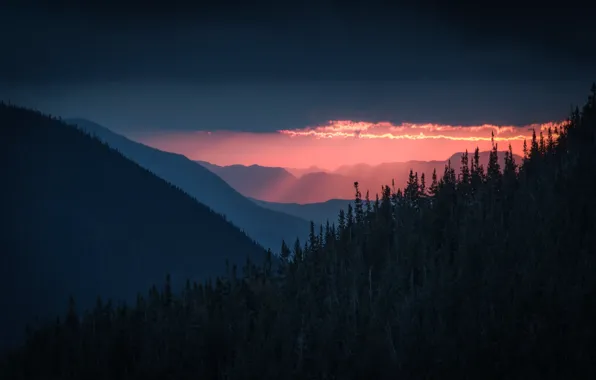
[[472, 273]]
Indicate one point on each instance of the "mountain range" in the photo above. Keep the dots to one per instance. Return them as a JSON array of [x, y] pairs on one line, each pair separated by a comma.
[[299, 172], [80, 219], [116, 215], [266, 226], [279, 185]]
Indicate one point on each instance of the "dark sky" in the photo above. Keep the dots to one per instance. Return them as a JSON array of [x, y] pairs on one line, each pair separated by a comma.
[[285, 64]]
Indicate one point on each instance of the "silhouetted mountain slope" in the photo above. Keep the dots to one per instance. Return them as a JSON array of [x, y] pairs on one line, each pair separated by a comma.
[[266, 226], [318, 212], [212, 167], [80, 219]]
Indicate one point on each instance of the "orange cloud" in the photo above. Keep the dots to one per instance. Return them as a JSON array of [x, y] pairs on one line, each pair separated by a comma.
[[407, 131], [341, 142]]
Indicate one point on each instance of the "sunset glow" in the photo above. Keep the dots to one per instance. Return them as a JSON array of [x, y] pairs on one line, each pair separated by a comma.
[[342, 142], [410, 131]]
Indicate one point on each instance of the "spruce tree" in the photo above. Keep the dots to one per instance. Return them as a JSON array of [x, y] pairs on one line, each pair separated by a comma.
[[434, 186]]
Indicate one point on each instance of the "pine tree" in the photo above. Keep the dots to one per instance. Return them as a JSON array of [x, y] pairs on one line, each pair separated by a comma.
[[464, 175], [534, 147], [313, 242], [542, 144], [412, 187], [321, 238], [386, 206], [72, 319], [285, 252], [377, 204], [341, 224], [493, 172], [477, 173], [350, 217], [298, 256], [167, 294], [434, 186], [268, 264], [550, 142], [359, 212]]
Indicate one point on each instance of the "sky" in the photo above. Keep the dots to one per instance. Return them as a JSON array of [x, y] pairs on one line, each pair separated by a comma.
[[259, 84]]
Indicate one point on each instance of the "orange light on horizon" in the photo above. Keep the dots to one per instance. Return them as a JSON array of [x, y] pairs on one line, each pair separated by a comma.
[[343, 142]]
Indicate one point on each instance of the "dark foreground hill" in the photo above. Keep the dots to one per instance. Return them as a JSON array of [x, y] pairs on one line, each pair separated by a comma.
[[266, 226], [485, 273], [80, 219]]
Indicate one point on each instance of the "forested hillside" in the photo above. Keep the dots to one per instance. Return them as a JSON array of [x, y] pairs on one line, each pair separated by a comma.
[[80, 219], [484, 272]]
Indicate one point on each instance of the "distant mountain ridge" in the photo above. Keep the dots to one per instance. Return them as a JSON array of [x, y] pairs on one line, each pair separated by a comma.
[[81, 219], [279, 186], [254, 180], [321, 212], [266, 226], [299, 172]]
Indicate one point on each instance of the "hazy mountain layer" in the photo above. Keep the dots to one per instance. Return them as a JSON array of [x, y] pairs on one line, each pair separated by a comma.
[[266, 226], [278, 185]]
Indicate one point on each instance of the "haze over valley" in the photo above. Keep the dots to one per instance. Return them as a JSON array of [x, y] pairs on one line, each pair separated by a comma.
[[316, 186]]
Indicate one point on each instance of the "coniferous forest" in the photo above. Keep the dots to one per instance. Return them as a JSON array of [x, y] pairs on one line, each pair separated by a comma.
[[474, 272]]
